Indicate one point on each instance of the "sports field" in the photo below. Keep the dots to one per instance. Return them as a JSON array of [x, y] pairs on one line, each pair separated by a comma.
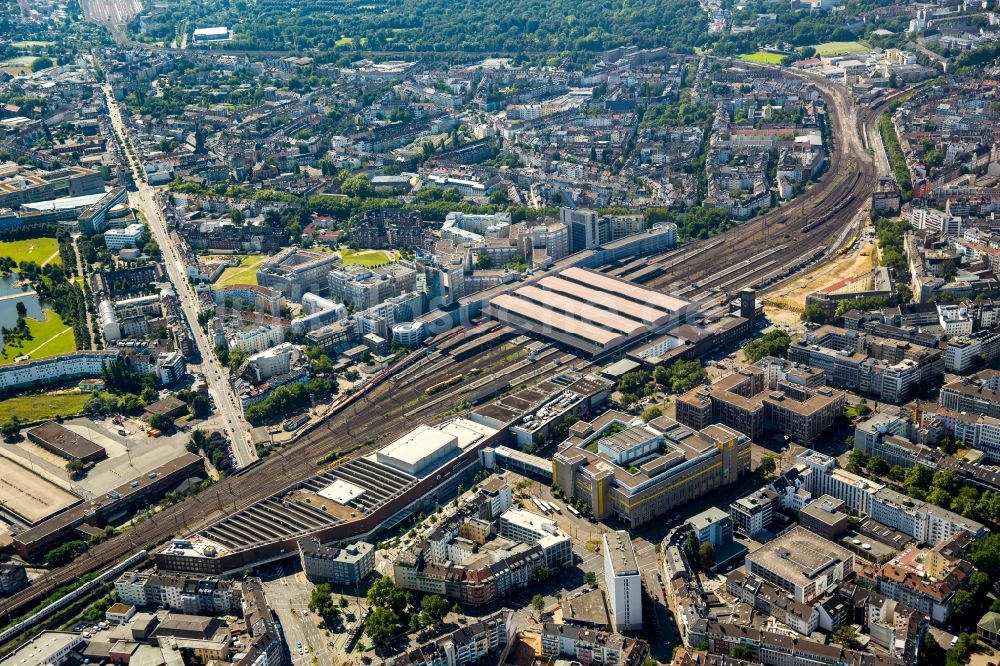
[[29, 495], [762, 58], [38, 250], [44, 406], [839, 48], [245, 274], [366, 258], [48, 338]]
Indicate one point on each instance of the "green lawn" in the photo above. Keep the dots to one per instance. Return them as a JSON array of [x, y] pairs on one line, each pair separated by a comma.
[[39, 407], [19, 65], [763, 58], [48, 338], [839, 48], [245, 274], [38, 250], [366, 258]]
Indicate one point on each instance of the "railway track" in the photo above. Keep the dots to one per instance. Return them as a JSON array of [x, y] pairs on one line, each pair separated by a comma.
[[368, 422], [380, 412]]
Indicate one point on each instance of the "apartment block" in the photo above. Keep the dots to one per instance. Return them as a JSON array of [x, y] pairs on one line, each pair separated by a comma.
[[925, 522], [623, 581], [340, 566]]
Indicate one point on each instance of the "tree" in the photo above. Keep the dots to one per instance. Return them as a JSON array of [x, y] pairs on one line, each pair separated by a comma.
[[847, 636], [22, 311], [433, 610], [64, 553], [161, 422], [772, 343], [321, 603], [483, 260], [692, 545], [767, 466], [706, 555], [382, 624], [201, 407], [237, 357], [358, 185], [41, 63], [11, 429], [538, 603], [385, 594], [651, 413], [813, 314], [590, 578], [75, 466], [741, 651]]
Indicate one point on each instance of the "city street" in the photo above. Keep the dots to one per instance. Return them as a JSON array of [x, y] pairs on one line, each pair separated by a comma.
[[218, 383]]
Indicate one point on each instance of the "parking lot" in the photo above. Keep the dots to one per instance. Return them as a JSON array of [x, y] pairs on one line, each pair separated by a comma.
[[308, 642]]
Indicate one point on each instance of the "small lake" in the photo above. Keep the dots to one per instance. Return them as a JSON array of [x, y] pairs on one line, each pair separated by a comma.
[[11, 293]]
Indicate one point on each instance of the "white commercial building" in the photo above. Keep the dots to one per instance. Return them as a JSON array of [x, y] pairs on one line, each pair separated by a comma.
[[274, 361], [130, 236], [827, 479], [936, 221], [532, 528], [624, 585], [257, 339], [428, 447], [220, 33], [955, 320], [49, 648]]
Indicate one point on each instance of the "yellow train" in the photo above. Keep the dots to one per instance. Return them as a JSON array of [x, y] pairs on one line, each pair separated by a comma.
[[440, 386]]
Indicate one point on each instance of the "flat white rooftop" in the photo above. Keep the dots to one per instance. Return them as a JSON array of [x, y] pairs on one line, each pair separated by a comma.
[[341, 491]]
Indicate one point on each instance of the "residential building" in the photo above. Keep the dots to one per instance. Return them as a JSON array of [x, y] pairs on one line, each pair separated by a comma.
[[472, 643], [925, 522], [341, 566], [977, 394], [191, 595], [589, 646], [623, 582], [753, 514], [924, 579], [13, 577], [257, 339]]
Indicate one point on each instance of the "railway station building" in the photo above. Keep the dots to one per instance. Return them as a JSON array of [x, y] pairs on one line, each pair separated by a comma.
[[587, 310]]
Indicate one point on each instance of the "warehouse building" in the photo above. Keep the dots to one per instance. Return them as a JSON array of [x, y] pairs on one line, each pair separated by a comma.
[[636, 472], [588, 310], [65, 443]]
